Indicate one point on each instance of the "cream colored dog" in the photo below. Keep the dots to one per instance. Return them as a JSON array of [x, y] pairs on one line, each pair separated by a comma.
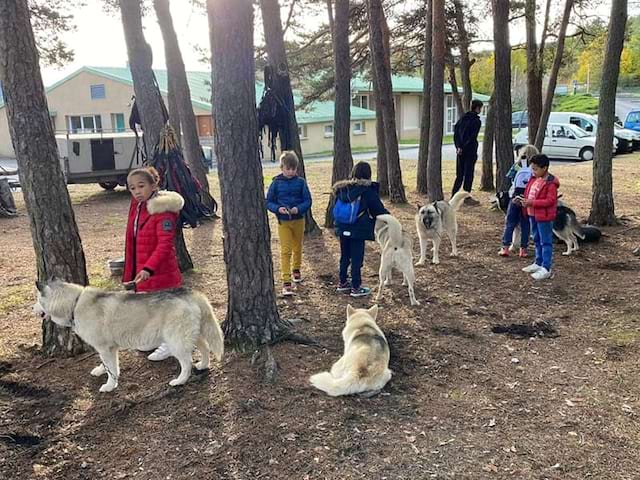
[[364, 366], [109, 321]]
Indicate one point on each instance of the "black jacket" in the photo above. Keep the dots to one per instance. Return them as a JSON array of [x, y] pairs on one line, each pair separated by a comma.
[[465, 132], [370, 206]]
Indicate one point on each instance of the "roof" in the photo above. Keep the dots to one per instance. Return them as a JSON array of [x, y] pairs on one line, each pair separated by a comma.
[[200, 87], [404, 84]]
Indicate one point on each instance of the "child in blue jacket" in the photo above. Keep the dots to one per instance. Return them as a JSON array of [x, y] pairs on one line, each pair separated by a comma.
[[289, 198]]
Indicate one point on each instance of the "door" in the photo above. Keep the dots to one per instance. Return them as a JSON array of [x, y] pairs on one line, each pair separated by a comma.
[[563, 142], [205, 126], [102, 155]]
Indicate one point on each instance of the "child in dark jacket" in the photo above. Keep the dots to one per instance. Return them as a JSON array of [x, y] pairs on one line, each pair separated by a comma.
[[289, 198], [352, 236], [541, 202]]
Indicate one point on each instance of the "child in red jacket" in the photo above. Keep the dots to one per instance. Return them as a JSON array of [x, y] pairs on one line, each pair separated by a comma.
[[541, 202], [150, 254]]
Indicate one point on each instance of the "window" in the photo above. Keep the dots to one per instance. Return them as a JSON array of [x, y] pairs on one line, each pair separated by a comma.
[[361, 101], [633, 117], [328, 130], [582, 123], [450, 119], [359, 128], [117, 122], [98, 92], [558, 131], [302, 132], [84, 124]]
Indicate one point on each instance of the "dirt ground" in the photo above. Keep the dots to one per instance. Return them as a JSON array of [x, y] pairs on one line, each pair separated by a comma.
[[464, 402]]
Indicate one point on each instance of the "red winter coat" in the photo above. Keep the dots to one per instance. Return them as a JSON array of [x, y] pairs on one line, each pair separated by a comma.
[[152, 249], [545, 205]]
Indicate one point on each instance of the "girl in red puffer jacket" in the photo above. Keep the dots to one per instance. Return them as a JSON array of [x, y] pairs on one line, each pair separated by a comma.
[[150, 254]]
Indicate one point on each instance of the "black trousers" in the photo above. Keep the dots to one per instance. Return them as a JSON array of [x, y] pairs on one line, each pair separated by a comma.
[[465, 165]]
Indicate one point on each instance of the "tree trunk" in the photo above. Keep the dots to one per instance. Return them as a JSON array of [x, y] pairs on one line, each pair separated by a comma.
[[342, 159], [377, 27], [148, 97], [602, 205], [486, 181], [453, 81], [178, 76], [382, 172], [465, 62], [252, 316], [54, 231], [434, 166], [145, 88], [277, 58], [174, 114], [534, 81], [425, 122], [502, 92], [553, 77]]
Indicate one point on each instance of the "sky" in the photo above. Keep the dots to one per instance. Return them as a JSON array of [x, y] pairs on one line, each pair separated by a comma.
[[99, 41]]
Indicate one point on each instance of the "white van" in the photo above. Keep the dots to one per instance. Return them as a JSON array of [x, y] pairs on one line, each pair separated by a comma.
[[589, 123], [563, 141]]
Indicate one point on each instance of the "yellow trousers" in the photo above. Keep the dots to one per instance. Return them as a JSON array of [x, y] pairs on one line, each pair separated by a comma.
[[291, 233]]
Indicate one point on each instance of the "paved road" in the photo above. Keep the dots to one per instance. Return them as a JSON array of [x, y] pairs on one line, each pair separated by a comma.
[[624, 104]]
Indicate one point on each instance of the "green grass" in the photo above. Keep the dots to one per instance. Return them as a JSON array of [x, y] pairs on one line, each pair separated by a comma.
[[576, 103]]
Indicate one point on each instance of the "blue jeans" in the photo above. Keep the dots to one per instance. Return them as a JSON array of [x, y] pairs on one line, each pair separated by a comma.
[[351, 252], [543, 239], [515, 216]]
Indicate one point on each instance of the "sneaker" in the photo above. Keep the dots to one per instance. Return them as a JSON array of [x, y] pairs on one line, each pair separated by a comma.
[[523, 253], [504, 252], [297, 276], [471, 201], [541, 274], [360, 292], [160, 353], [344, 287], [287, 290], [534, 267]]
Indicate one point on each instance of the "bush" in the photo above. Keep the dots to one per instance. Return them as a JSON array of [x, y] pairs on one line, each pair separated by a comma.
[[576, 103]]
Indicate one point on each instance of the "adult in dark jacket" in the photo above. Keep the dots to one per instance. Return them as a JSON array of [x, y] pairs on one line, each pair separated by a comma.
[[353, 236], [465, 137]]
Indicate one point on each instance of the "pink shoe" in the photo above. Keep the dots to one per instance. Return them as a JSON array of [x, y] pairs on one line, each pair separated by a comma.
[[523, 253], [504, 252]]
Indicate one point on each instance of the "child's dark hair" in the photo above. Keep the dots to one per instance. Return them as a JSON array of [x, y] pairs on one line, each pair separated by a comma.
[[361, 170], [475, 104], [289, 160], [540, 160], [150, 174]]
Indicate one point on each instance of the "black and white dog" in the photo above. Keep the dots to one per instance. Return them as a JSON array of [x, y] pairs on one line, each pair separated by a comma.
[[565, 226]]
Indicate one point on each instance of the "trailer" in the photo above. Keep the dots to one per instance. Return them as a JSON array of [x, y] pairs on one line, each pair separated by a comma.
[[102, 158]]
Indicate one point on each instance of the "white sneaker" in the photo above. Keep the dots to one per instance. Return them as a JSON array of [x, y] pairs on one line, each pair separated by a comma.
[[160, 353], [541, 274], [532, 268]]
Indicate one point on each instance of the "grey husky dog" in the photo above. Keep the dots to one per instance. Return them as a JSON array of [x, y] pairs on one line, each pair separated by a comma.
[[110, 321]]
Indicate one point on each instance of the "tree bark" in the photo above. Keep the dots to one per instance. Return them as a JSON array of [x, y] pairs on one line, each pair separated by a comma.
[[434, 164], [178, 76], [148, 97], [342, 158], [553, 77], [534, 80], [145, 88], [54, 231], [502, 92], [252, 316], [465, 61], [174, 114], [602, 204], [377, 27], [382, 172], [425, 122], [486, 180], [277, 58], [453, 81]]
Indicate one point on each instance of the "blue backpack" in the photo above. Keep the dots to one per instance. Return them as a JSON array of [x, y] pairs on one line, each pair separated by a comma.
[[346, 212]]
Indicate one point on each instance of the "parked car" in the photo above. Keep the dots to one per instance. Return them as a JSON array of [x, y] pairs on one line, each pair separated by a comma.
[[519, 119], [632, 122], [589, 123], [634, 133], [564, 141]]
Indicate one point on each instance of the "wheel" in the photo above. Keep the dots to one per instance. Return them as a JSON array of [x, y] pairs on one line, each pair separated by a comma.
[[108, 185], [586, 154]]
